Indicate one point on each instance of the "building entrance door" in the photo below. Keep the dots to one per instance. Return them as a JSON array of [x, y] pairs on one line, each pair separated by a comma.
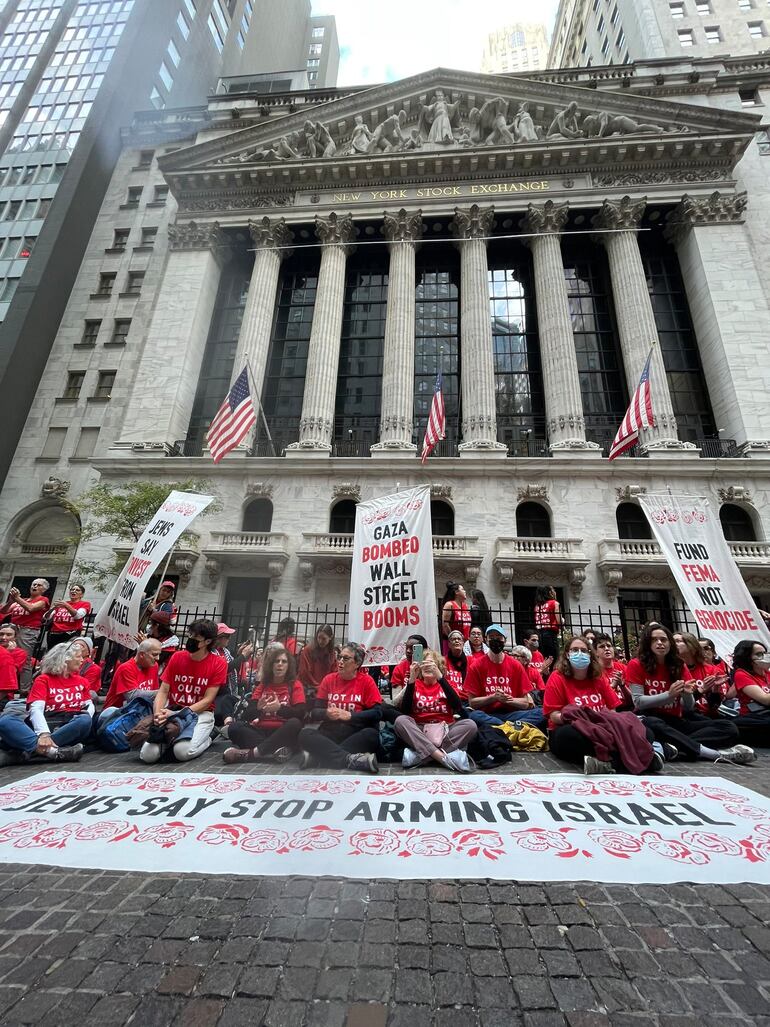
[[246, 604]]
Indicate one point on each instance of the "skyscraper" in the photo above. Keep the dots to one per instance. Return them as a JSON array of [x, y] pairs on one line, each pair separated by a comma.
[[516, 47]]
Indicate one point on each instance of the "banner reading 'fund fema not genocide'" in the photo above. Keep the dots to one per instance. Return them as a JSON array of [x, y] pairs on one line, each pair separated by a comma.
[[392, 594], [690, 534]]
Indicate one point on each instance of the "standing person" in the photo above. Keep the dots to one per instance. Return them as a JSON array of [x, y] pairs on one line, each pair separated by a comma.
[[455, 664], [498, 687], [751, 678], [548, 620], [66, 619], [9, 675], [317, 659], [347, 705], [662, 691], [455, 612], [285, 635], [273, 719], [480, 613], [190, 681], [427, 723], [711, 684], [542, 663], [27, 614], [475, 646], [228, 695], [59, 712], [613, 669], [162, 603], [400, 674]]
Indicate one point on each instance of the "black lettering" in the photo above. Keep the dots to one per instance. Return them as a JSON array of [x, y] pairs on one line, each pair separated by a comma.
[[475, 811], [704, 819], [200, 805], [264, 806], [289, 809], [172, 808], [417, 812], [147, 806], [576, 814], [550, 808], [360, 811], [111, 802], [513, 812], [316, 806], [391, 811], [238, 809], [610, 814], [645, 816]]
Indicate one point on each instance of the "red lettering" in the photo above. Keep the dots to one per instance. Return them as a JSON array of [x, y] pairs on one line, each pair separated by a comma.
[[390, 550], [700, 572]]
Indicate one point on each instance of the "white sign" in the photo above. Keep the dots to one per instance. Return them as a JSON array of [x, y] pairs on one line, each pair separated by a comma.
[[624, 830], [118, 619], [392, 594], [690, 534]]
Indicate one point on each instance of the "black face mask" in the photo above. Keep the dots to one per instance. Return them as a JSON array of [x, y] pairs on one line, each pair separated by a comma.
[[192, 645], [496, 645]]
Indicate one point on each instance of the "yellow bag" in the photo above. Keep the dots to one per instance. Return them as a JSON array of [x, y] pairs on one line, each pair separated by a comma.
[[524, 737]]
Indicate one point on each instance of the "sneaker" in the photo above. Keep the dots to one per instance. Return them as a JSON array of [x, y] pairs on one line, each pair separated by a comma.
[[657, 764], [459, 761], [738, 754], [224, 731], [410, 759], [364, 762], [593, 766], [66, 753], [306, 760], [282, 755], [670, 752], [233, 755]]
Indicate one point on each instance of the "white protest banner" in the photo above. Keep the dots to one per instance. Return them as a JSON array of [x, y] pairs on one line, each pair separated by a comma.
[[624, 830], [690, 534], [118, 618], [392, 594]]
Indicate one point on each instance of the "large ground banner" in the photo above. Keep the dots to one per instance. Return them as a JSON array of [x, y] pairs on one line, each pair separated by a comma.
[[625, 830], [118, 618], [690, 534], [392, 593]]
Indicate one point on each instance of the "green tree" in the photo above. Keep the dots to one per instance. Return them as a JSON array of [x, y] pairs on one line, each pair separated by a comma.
[[122, 513]]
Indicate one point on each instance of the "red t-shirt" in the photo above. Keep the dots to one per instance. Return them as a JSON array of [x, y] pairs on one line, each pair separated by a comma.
[[655, 684], [400, 674], [561, 691], [188, 679], [429, 705], [360, 693], [22, 619], [485, 678], [537, 660], [63, 620], [460, 618], [129, 677], [741, 679], [455, 677], [9, 676], [620, 690], [286, 695], [534, 675], [546, 616], [92, 672], [60, 694], [19, 656]]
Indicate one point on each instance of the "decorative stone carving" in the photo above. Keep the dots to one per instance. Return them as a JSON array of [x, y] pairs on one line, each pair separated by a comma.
[[260, 488], [627, 493], [472, 571], [318, 141], [539, 492], [272, 234], [759, 446], [565, 124], [361, 136], [233, 200], [183, 564], [336, 229], [550, 217], [625, 179], [489, 125], [439, 118], [716, 209], [402, 226], [623, 213], [577, 577], [189, 235], [441, 491], [504, 578], [213, 569], [389, 134], [473, 223], [306, 573], [275, 569], [523, 128], [347, 490], [601, 124], [734, 494], [54, 488], [613, 579]]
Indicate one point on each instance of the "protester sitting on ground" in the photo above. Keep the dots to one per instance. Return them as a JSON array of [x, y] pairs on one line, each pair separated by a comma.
[[751, 678], [250, 666], [710, 653], [271, 723], [456, 663], [427, 723], [8, 635], [9, 675], [711, 683], [66, 619], [524, 656], [89, 669], [285, 635], [347, 705], [227, 697], [542, 663], [475, 646], [578, 682], [662, 690], [162, 603], [400, 674], [590, 636], [58, 711], [498, 687], [455, 612], [613, 669], [189, 682], [317, 659], [548, 621], [131, 678]]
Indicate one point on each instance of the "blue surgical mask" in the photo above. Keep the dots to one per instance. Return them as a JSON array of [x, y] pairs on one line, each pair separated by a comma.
[[579, 659]]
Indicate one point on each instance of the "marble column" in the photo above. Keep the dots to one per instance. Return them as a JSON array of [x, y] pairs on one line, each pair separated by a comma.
[[317, 422], [479, 422], [170, 365], [561, 380], [618, 223], [402, 230], [271, 238], [730, 313]]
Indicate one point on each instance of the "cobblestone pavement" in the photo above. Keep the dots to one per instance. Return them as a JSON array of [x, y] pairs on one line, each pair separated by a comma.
[[87, 947]]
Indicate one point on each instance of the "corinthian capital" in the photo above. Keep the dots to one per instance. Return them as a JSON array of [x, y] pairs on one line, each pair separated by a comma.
[[550, 217], [336, 229], [402, 226], [473, 223], [717, 209], [271, 234], [625, 213], [189, 235]]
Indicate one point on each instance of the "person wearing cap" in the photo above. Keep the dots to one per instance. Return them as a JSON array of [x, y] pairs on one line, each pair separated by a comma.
[[162, 603], [497, 686], [160, 628], [228, 696], [89, 668]]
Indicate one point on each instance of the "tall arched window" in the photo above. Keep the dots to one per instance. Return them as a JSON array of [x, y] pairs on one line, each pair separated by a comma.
[[342, 519], [442, 518], [632, 522], [737, 524], [258, 515], [532, 521]]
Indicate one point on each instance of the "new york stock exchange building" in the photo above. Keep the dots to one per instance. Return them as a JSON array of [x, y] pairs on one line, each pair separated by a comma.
[[528, 238]]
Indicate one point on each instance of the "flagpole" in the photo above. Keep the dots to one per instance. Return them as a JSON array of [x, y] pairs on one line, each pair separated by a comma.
[[259, 405]]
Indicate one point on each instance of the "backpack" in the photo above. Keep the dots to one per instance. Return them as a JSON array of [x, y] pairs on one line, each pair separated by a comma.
[[490, 748], [391, 746], [111, 736]]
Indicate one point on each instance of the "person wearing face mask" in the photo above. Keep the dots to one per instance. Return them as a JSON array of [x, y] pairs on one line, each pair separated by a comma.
[[541, 663], [751, 678], [498, 687], [662, 690], [615, 743], [190, 681], [475, 646]]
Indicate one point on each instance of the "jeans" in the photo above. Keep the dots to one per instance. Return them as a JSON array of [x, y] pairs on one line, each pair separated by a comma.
[[15, 732], [184, 750], [535, 717]]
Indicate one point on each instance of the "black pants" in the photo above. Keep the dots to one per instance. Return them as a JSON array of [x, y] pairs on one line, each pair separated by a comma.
[[754, 729], [549, 643], [55, 637], [244, 736], [224, 707], [571, 745], [689, 733], [335, 754]]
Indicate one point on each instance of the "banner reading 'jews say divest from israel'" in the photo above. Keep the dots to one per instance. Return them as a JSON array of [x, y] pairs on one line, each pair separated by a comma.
[[690, 534], [392, 593], [118, 619]]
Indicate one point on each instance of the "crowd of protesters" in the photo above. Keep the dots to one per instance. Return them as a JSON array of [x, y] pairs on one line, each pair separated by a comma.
[[457, 708]]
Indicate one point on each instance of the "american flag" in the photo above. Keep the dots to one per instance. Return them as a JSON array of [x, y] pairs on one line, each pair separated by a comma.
[[436, 429], [639, 415], [233, 419]]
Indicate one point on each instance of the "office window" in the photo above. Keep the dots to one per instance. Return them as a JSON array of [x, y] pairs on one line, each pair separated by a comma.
[[685, 37], [190, 8], [744, 5], [314, 62], [161, 194], [42, 208], [614, 16], [173, 53], [605, 46], [145, 158], [120, 331], [106, 282], [216, 35], [315, 50], [757, 29], [134, 282], [74, 384], [156, 99], [703, 7], [620, 41], [104, 385], [312, 76], [11, 248], [749, 97], [90, 332], [26, 247], [318, 33], [53, 444], [12, 210], [120, 238], [165, 76], [148, 236], [86, 443], [181, 24], [133, 196], [9, 289], [713, 35], [677, 10]]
